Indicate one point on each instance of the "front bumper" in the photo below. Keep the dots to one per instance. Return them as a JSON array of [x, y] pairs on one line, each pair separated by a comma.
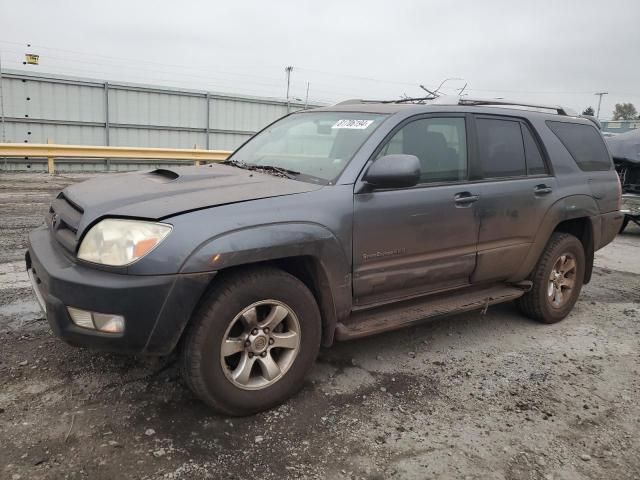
[[156, 307]]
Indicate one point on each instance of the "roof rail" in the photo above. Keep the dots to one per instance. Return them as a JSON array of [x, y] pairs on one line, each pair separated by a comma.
[[474, 101], [357, 101], [452, 100]]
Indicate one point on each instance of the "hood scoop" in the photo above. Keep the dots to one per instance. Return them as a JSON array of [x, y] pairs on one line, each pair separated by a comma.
[[162, 175]]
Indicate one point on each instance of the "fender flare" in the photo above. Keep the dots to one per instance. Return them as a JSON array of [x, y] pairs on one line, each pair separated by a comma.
[[567, 208], [278, 241]]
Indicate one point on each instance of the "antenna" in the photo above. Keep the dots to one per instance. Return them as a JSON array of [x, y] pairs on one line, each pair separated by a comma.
[[433, 94]]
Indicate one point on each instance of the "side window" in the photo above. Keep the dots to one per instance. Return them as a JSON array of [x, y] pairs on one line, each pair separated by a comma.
[[535, 162], [439, 143], [501, 149], [584, 143]]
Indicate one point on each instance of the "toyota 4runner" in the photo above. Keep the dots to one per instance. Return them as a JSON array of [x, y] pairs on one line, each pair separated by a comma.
[[330, 224]]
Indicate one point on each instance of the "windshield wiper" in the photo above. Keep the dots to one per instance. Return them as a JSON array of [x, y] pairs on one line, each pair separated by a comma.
[[272, 168], [282, 172], [236, 163]]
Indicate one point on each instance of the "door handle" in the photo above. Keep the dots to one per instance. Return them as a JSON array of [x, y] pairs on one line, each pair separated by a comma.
[[465, 199], [542, 189]]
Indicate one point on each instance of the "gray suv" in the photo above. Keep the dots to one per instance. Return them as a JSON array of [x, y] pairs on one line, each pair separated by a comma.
[[330, 224]]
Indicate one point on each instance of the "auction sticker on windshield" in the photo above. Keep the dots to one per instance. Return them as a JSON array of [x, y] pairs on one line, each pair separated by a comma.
[[354, 124]]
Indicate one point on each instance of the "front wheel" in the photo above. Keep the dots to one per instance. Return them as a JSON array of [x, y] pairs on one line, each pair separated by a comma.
[[251, 342], [557, 280]]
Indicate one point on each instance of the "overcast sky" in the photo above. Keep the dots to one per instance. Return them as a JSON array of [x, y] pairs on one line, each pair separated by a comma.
[[541, 50]]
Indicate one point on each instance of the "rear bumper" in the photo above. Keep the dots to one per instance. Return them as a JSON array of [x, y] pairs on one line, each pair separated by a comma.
[[610, 224], [156, 307]]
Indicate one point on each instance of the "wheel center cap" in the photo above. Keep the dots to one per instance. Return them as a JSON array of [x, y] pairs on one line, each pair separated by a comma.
[[259, 343]]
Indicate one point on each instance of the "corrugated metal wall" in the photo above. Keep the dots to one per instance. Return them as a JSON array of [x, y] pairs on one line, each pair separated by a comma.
[[71, 110]]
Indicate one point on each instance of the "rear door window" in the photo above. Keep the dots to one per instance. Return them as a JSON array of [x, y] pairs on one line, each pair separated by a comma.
[[535, 161], [501, 149], [584, 143]]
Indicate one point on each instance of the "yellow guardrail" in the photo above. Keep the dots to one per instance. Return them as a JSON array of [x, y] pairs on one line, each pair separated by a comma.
[[52, 151]]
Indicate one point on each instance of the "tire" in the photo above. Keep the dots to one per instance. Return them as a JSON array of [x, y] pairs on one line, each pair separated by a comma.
[[263, 293], [542, 303], [625, 222]]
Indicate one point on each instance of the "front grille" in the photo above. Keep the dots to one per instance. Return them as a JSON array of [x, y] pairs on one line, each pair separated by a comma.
[[63, 219]]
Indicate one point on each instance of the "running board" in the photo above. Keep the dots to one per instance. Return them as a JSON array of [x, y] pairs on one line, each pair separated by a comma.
[[402, 314]]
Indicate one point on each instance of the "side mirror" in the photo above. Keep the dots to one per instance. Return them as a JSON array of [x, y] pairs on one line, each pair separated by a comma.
[[394, 171]]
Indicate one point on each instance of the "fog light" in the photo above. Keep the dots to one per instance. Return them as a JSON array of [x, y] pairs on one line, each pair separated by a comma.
[[82, 318], [108, 323], [97, 321]]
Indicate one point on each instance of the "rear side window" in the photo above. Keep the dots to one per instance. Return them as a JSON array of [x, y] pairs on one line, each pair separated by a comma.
[[584, 143], [535, 162], [501, 148]]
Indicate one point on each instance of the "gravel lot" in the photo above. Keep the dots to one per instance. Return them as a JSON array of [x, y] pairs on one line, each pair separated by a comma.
[[468, 396]]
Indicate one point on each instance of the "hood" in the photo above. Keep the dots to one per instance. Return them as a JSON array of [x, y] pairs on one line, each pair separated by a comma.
[[163, 193]]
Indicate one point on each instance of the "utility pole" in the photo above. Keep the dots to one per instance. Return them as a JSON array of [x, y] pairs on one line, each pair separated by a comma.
[[288, 70], [306, 98], [600, 94]]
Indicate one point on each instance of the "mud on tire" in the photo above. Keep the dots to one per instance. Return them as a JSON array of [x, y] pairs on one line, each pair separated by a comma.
[[561, 267]]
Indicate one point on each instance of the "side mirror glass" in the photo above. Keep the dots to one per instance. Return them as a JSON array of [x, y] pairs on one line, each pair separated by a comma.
[[394, 171]]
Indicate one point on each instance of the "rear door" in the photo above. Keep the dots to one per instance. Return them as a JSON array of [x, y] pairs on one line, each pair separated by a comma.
[[410, 241], [515, 187]]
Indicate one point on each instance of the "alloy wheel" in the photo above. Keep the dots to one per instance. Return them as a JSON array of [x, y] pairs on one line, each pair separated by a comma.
[[562, 280], [260, 345]]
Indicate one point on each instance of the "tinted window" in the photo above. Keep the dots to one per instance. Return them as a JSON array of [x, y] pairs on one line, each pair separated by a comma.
[[535, 162], [439, 143], [501, 148], [584, 143]]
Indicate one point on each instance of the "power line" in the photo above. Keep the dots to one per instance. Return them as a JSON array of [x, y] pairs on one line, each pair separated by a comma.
[[142, 73], [225, 79]]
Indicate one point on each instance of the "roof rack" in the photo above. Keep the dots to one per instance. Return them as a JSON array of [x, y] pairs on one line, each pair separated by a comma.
[[448, 100], [358, 101], [474, 101]]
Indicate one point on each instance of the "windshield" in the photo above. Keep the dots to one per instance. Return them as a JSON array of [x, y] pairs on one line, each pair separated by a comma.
[[314, 146]]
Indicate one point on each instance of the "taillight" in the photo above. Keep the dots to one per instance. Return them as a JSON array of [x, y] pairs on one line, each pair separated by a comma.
[[619, 183]]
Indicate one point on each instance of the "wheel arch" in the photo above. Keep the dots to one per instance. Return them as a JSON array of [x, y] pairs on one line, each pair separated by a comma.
[[308, 251], [577, 215]]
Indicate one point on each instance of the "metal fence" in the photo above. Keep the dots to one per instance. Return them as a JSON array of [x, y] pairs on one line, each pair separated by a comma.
[[69, 110], [619, 126]]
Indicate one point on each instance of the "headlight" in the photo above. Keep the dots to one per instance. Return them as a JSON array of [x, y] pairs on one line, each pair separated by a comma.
[[121, 242]]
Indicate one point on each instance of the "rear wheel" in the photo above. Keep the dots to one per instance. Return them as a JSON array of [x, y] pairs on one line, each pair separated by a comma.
[[557, 280], [252, 341]]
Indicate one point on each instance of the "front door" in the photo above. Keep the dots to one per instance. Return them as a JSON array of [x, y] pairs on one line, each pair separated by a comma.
[[411, 241]]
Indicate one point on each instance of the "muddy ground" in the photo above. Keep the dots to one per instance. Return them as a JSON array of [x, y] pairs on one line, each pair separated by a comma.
[[468, 396]]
